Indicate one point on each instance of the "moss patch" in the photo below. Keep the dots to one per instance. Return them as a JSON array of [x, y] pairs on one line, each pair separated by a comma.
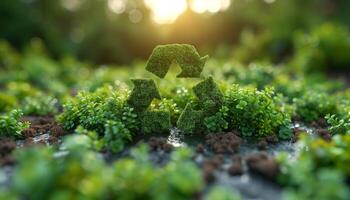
[[155, 122], [209, 95], [145, 90], [186, 56], [189, 119]]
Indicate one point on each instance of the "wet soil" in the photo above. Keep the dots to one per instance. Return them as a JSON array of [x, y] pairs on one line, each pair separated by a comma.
[[224, 158], [7, 145], [42, 130]]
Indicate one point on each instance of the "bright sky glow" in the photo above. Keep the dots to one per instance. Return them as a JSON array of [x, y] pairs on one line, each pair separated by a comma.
[[212, 6], [166, 11]]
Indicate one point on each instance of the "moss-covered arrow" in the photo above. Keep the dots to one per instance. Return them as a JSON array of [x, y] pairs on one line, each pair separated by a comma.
[[189, 119], [186, 56], [209, 95], [210, 100], [145, 90]]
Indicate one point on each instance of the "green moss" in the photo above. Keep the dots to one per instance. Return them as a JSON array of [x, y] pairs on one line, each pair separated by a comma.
[[155, 122], [209, 95], [183, 54], [145, 90], [189, 119]]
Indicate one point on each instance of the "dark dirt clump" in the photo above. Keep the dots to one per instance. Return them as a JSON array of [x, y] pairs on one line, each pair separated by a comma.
[[223, 142], [236, 167], [263, 164], [296, 134], [262, 144], [7, 146], [40, 126], [272, 139], [320, 123], [159, 144], [324, 134], [208, 170], [200, 148]]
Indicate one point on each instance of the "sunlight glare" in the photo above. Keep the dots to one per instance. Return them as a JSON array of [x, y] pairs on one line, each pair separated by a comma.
[[166, 11], [212, 6], [117, 6]]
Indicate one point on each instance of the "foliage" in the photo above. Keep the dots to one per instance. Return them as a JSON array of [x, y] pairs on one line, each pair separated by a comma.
[[326, 47], [255, 113], [183, 54], [338, 125], [104, 111], [7, 102], [169, 105], [10, 124], [221, 193], [217, 123], [319, 170], [139, 179], [40, 105], [115, 135], [83, 174], [313, 105]]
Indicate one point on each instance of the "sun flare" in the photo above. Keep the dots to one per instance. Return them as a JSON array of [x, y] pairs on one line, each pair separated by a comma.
[[166, 11]]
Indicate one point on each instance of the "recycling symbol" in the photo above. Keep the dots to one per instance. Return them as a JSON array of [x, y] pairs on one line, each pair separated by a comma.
[[209, 96]]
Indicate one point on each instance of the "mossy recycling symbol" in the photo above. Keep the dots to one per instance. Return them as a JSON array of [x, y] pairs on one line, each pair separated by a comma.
[[209, 96]]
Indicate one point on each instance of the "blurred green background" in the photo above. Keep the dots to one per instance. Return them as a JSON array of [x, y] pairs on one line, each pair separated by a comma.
[[120, 31]]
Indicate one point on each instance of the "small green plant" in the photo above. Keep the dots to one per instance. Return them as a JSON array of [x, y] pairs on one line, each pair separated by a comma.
[[255, 113], [326, 47], [168, 105], [221, 193], [115, 135], [10, 124], [7, 102], [217, 123], [40, 105], [338, 125], [313, 105], [138, 179], [183, 54], [83, 174], [105, 112], [319, 171]]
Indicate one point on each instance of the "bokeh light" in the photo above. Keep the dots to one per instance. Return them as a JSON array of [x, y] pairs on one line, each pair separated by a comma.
[[117, 6], [212, 6], [166, 11]]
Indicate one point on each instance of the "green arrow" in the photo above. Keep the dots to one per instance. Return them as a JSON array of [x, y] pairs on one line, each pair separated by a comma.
[[210, 100], [186, 56], [209, 95], [145, 90], [189, 119], [155, 122]]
